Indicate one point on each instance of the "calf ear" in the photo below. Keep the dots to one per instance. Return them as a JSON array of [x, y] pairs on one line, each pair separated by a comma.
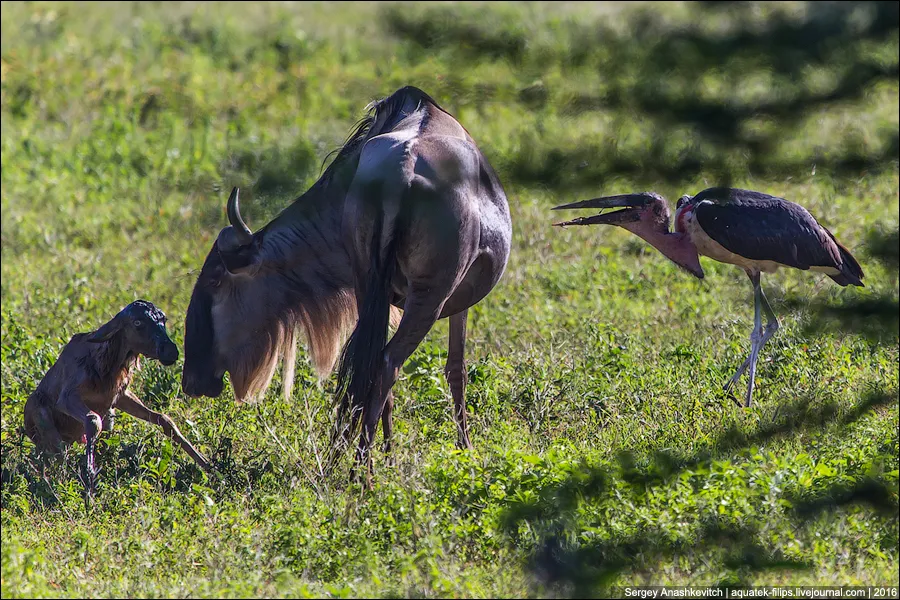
[[107, 331]]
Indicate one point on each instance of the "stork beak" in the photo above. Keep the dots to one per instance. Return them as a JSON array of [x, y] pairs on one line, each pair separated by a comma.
[[632, 205]]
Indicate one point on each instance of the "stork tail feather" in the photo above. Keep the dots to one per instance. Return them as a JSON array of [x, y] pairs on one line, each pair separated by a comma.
[[851, 273]]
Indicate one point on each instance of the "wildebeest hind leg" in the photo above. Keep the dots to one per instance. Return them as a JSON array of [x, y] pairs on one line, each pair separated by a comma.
[[455, 371], [42, 430], [421, 311]]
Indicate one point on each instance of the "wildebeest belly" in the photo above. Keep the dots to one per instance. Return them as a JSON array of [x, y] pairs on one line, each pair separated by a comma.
[[488, 261], [487, 268], [478, 282]]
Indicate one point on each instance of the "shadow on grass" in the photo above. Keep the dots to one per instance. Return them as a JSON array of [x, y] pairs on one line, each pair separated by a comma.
[[799, 417], [467, 30], [661, 72], [875, 315], [589, 570], [49, 480], [584, 570], [576, 564], [578, 568], [663, 467], [869, 491]]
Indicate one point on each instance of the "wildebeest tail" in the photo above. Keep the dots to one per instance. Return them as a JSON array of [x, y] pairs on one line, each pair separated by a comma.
[[362, 360]]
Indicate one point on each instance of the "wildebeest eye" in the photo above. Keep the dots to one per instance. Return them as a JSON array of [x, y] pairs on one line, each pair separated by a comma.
[[215, 282], [138, 323]]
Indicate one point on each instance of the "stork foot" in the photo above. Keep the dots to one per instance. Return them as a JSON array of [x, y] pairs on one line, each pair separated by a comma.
[[734, 378], [729, 385], [748, 400]]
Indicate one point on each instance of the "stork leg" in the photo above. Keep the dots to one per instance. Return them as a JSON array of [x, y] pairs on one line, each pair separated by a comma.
[[771, 326], [754, 335], [758, 338], [755, 339]]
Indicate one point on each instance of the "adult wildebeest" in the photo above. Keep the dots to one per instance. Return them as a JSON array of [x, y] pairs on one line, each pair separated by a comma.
[[409, 214], [90, 378]]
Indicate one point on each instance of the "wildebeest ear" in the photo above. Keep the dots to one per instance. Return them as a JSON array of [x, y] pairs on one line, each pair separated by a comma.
[[107, 331], [242, 260], [237, 258], [237, 246]]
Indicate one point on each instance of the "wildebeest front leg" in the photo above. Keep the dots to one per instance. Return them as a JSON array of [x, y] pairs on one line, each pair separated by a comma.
[[133, 406], [71, 404], [455, 371], [420, 312]]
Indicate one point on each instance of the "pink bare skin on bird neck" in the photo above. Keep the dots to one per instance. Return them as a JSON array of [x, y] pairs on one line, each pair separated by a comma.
[[680, 217], [676, 246]]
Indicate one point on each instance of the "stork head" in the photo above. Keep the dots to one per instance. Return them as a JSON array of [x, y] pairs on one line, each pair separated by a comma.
[[645, 214], [643, 210]]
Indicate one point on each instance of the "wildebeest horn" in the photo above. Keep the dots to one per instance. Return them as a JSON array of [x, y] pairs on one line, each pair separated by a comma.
[[243, 235]]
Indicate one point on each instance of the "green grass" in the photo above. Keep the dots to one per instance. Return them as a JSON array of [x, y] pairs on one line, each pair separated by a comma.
[[122, 130]]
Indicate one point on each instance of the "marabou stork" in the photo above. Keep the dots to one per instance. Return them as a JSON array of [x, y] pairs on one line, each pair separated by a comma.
[[752, 230]]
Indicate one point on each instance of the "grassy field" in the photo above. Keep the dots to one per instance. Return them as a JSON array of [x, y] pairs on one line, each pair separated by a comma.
[[605, 451]]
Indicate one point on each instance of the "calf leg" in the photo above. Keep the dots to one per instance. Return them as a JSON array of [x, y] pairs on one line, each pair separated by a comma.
[[133, 406], [71, 404], [42, 430]]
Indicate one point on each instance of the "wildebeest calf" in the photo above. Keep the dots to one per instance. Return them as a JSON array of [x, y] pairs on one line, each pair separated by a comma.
[[90, 378]]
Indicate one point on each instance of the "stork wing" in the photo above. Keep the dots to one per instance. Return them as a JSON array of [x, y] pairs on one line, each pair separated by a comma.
[[762, 227]]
